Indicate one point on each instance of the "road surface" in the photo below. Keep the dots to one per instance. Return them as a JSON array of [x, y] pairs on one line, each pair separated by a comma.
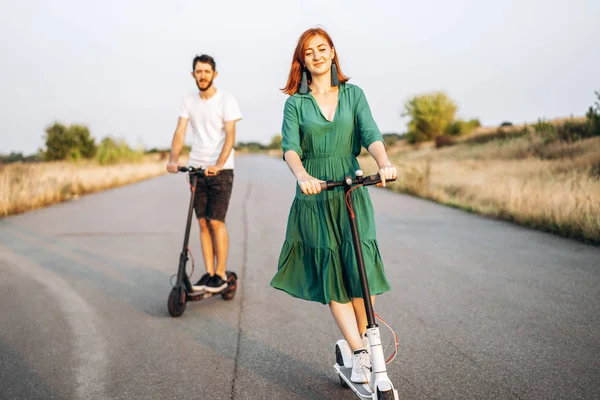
[[483, 309]]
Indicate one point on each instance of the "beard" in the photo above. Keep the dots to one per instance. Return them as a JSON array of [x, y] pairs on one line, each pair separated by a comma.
[[206, 87]]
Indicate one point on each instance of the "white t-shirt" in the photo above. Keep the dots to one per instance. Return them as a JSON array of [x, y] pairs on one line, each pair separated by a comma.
[[207, 118]]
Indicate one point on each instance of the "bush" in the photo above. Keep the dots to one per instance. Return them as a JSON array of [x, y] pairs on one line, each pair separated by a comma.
[[595, 170], [11, 158], [68, 142], [111, 151], [461, 127], [391, 139], [499, 134], [430, 115], [572, 131], [506, 123], [444, 140], [275, 143], [252, 147]]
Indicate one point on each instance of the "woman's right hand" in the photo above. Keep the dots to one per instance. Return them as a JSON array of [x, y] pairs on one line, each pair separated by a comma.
[[309, 185]]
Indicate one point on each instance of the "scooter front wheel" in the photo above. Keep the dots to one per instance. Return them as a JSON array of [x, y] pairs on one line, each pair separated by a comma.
[[176, 302], [387, 395]]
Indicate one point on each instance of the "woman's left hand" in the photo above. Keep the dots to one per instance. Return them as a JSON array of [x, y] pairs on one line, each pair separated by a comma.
[[387, 171]]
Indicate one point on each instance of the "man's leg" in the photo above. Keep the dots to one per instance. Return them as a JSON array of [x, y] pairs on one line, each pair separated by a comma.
[[220, 243], [208, 254], [219, 193], [206, 242]]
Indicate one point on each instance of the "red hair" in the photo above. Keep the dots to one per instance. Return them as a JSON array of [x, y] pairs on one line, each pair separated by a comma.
[[298, 60]]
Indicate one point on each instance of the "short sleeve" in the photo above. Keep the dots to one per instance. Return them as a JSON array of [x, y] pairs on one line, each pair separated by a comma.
[[183, 112], [369, 132], [231, 109], [290, 129]]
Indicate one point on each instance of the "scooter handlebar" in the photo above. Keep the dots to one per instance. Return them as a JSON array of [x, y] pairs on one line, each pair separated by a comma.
[[366, 181], [191, 170]]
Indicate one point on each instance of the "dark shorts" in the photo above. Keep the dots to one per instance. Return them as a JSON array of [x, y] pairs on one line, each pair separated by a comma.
[[213, 194]]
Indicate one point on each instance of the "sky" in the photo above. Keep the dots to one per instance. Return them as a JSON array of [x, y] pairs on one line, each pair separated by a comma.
[[122, 67]]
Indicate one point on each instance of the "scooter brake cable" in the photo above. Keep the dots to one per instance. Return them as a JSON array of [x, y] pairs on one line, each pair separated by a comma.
[[391, 358]]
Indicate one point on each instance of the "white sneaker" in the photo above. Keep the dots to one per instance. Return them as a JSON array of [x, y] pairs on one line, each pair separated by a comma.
[[361, 367]]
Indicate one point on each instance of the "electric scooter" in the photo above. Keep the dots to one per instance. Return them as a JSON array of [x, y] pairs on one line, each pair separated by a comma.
[[379, 385], [183, 291]]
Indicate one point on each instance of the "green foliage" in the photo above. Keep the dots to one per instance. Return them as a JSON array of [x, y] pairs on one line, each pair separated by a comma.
[[461, 127], [430, 115], [74, 155], [68, 142], [275, 143], [390, 139], [593, 116], [499, 134], [58, 142], [568, 131], [19, 157], [11, 158], [251, 147], [572, 130], [506, 123], [113, 151]]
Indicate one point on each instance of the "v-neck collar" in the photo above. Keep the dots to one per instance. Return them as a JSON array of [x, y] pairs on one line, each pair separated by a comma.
[[341, 88]]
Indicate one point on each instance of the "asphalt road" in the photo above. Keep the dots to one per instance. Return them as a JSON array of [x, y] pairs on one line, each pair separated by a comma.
[[483, 309]]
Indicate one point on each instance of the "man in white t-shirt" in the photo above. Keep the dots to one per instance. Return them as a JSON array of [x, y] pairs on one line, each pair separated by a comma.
[[212, 115]]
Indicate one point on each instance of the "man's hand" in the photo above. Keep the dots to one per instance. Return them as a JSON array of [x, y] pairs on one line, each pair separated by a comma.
[[213, 170], [173, 167]]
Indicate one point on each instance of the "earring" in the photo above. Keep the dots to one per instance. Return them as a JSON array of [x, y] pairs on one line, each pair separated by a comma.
[[304, 82], [334, 75]]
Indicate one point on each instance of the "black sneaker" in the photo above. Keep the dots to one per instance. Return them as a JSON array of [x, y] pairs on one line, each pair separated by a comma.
[[201, 284], [216, 284]]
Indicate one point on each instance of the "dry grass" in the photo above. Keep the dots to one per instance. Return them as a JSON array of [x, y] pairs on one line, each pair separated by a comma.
[[553, 187], [30, 186]]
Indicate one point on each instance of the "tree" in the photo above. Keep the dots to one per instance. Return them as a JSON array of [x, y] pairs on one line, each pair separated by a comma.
[[430, 115], [84, 141], [275, 142], [58, 142], [68, 142]]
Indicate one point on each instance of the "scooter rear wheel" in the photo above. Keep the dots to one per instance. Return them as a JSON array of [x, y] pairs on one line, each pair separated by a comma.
[[340, 360], [176, 302]]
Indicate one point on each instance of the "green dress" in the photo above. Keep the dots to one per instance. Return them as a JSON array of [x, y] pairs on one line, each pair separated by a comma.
[[317, 260]]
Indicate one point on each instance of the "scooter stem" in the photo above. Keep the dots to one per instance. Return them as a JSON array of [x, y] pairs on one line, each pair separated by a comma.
[[359, 257], [181, 276]]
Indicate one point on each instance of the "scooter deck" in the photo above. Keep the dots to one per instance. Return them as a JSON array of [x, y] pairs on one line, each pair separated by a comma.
[[200, 294], [361, 390]]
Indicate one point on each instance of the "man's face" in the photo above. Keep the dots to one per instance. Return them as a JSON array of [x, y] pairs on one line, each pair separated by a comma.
[[204, 75]]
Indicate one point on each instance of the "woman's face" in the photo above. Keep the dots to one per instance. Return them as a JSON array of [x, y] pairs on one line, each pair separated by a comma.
[[318, 56]]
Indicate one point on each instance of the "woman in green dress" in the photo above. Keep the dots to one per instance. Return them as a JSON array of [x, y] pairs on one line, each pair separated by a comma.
[[326, 122]]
